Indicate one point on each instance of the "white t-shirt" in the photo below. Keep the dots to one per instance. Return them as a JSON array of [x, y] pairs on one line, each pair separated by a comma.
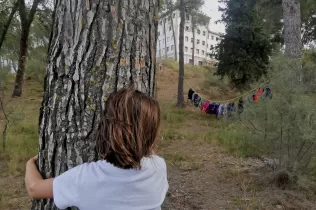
[[102, 186]]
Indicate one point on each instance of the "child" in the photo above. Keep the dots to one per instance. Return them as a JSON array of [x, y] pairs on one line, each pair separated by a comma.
[[129, 175]]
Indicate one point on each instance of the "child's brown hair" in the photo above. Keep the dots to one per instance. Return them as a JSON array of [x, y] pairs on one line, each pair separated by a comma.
[[128, 129]]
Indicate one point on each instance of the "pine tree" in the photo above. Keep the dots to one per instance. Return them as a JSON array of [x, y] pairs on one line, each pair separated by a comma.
[[111, 45], [243, 54]]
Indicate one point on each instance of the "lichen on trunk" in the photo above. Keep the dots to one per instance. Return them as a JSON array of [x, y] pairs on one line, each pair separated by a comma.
[[97, 47]]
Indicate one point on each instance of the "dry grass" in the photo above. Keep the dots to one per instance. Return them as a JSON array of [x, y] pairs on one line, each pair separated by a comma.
[[201, 175]]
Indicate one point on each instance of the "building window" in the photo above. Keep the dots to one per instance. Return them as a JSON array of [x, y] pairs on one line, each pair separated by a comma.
[[191, 40], [161, 22], [169, 28], [198, 41], [212, 47], [167, 49], [217, 38], [186, 49], [187, 28], [208, 36], [197, 51], [158, 33], [171, 47], [159, 52], [204, 33], [212, 37], [200, 63], [163, 40], [198, 31], [190, 61], [191, 50], [186, 39], [203, 52], [203, 43]]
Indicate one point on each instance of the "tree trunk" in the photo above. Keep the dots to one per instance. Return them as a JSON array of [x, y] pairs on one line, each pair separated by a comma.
[[292, 28], [26, 22], [8, 22], [19, 79], [180, 102], [97, 47], [193, 51], [174, 39], [160, 56], [292, 34], [165, 34]]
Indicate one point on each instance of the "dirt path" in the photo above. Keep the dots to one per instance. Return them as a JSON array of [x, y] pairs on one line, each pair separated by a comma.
[[202, 176]]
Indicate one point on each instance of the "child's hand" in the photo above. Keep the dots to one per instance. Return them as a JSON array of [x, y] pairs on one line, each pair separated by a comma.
[[33, 159]]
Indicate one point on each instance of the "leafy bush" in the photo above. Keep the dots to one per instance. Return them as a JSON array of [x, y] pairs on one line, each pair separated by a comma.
[[284, 127]]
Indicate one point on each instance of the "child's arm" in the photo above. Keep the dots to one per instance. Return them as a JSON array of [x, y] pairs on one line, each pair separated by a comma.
[[36, 186]]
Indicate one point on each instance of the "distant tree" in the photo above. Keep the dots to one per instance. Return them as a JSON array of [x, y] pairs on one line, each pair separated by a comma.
[[197, 19], [38, 45], [308, 18], [243, 54], [171, 6], [272, 11], [6, 19], [164, 22], [180, 101], [292, 34], [26, 19], [167, 16], [184, 7], [292, 28]]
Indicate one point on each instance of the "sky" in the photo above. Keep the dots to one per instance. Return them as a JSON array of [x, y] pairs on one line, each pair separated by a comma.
[[211, 9]]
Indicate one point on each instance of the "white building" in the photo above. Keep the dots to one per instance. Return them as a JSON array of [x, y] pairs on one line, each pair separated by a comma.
[[205, 40]]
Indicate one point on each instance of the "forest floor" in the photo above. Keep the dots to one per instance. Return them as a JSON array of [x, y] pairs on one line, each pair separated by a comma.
[[202, 174]]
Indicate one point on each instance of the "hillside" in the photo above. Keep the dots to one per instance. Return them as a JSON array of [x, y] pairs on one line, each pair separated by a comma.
[[202, 173]]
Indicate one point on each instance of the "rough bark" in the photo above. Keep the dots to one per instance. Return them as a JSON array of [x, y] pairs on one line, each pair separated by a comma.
[[292, 28], [292, 34], [8, 22], [98, 47], [26, 22], [180, 102]]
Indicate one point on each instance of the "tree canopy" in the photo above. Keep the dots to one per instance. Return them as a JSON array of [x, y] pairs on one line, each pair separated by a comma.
[[243, 54]]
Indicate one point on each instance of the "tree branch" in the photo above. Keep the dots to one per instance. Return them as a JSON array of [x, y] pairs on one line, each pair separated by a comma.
[[7, 24], [32, 12], [22, 13]]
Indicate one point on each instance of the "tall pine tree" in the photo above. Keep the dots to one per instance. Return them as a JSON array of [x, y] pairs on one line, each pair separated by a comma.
[[243, 54]]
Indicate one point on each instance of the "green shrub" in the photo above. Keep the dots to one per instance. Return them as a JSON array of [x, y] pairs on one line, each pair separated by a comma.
[[213, 80], [284, 127]]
